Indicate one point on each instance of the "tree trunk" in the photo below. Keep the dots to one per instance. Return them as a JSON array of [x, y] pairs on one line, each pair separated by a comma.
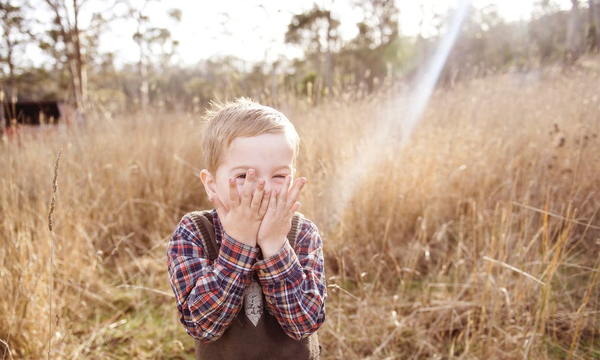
[[574, 35], [74, 81], [328, 66], [10, 89], [274, 82], [318, 85], [11, 70], [143, 71], [142, 64], [2, 121], [594, 9], [79, 63]]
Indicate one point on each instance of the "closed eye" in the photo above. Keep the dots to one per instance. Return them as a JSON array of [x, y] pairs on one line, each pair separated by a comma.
[[240, 176]]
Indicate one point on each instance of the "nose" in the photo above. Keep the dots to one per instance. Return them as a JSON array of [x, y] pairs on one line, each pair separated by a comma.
[[268, 185], [271, 184]]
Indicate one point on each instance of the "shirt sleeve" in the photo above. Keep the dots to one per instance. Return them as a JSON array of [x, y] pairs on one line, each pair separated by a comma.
[[294, 283], [209, 294]]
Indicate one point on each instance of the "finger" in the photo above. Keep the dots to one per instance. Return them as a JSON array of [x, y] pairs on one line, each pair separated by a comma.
[[257, 199], [219, 207], [265, 203], [248, 187], [273, 200], [295, 207], [234, 198], [295, 192], [285, 188]]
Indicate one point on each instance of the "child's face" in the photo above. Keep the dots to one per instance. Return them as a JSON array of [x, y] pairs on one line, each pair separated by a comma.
[[270, 155]]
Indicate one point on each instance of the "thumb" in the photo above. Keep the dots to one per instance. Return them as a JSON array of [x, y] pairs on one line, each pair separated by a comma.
[[219, 207]]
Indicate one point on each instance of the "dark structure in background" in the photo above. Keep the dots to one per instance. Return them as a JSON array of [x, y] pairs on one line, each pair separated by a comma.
[[33, 113]]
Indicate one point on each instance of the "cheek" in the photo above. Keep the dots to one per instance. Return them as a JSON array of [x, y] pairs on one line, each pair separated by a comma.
[[276, 184], [223, 194]]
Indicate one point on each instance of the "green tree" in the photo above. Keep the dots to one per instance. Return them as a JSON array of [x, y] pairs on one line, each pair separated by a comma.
[[15, 35], [377, 35], [156, 45], [547, 30], [73, 45], [316, 32]]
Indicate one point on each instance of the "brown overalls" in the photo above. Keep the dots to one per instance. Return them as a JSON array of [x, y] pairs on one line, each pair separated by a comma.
[[242, 340]]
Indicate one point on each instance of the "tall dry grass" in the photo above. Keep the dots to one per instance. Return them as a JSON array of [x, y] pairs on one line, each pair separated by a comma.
[[478, 240]]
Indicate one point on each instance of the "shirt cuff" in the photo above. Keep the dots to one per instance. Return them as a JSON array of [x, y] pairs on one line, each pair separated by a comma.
[[236, 256], [278, 267]]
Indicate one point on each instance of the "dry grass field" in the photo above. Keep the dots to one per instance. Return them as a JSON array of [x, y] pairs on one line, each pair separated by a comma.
[[478, 239]]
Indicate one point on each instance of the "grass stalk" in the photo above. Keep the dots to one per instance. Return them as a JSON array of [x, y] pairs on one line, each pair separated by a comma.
[[52, 240]]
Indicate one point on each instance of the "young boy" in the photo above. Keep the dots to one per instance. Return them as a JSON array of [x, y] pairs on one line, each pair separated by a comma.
[[248, 275]]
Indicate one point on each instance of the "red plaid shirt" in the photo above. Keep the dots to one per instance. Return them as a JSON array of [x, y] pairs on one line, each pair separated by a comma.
[[210, 294]]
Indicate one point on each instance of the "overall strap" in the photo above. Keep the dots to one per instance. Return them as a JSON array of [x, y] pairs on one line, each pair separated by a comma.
[[295, 229], [203, 220]]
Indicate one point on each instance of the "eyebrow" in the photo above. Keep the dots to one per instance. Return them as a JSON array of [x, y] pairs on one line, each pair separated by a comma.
[[242, 167], [246, 167]]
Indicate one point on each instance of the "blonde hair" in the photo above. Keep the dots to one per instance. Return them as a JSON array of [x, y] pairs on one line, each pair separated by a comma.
[[241, 118]]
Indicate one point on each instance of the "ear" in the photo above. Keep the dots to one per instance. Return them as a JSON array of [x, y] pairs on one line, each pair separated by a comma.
[[208, 180]]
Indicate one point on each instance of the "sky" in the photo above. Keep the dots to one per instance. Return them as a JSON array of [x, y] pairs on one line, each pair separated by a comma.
[[254, 29]]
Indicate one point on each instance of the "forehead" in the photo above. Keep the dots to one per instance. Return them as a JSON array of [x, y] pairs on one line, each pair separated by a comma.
[[265, 151]]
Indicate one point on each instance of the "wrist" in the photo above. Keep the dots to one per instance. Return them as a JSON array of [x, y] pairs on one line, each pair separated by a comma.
[[236, 256], [270, 247], [242, 238]]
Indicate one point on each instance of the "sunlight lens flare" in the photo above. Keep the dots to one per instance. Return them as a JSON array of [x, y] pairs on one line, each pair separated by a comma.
[[428, 79], [398, 128]]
